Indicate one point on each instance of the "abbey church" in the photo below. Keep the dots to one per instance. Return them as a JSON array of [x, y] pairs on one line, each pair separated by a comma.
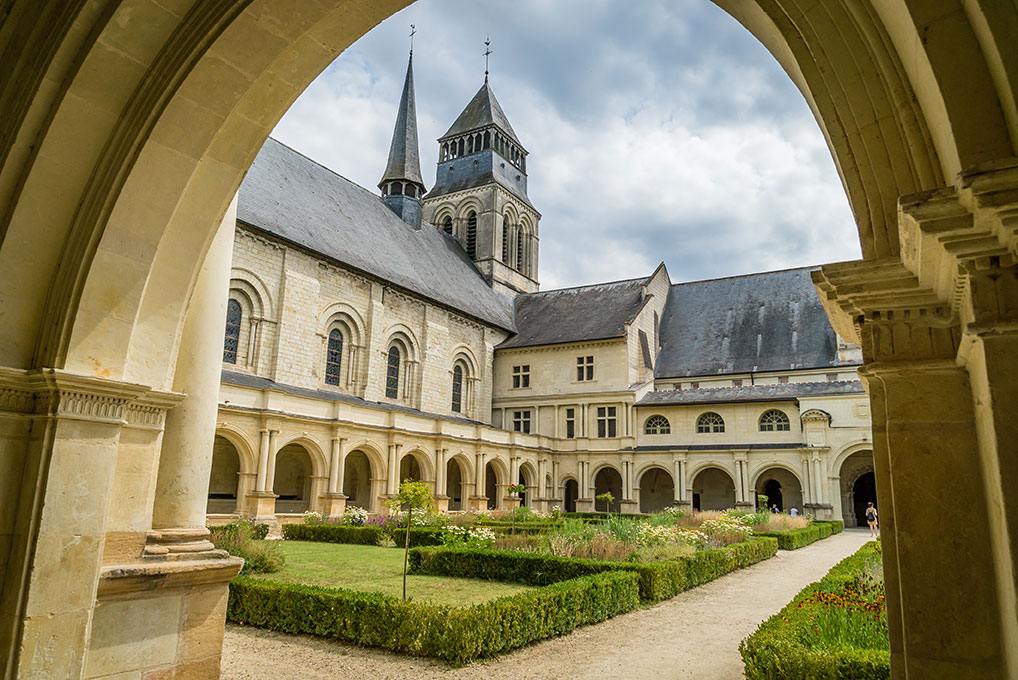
[[374, 338]]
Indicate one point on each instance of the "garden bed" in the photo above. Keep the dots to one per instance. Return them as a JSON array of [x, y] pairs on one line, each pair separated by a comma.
[[362, 535], [456, 634], [833, 629], [657, 580], [794, 539]]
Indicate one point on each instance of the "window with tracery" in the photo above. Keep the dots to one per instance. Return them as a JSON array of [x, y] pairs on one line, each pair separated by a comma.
[[657, 425], [710, 422], [775, 421], [231, 344], [334, 357], [392, 373], [457, 389]]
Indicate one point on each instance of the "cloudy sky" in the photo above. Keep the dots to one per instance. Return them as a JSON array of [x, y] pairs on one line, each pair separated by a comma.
[[657, 130]]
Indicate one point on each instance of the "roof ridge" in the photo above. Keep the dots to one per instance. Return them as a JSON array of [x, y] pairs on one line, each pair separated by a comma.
[[743, 387], [591, 285], [747, 275]]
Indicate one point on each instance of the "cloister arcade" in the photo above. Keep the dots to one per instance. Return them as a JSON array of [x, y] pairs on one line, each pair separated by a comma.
[[127, 130]]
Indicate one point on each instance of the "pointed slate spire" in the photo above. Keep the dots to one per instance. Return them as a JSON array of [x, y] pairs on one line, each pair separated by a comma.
[[482, 111], [404, 155]]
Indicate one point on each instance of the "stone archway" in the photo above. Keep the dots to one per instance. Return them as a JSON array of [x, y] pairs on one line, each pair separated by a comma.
[[456, 476], [782, 489], [608, 479], [224, 479], [357, 476], [410, 468], [528, 478], [713, 489], [657, 490], [854, 467], [864, 492], [492, 487], [102, 292], [571, 492], [291, 479]]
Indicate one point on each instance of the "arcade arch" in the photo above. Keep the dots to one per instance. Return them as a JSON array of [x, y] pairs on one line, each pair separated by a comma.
[[857, 487], [291, 479], [657, 490], [82, 226], [457, 482], [224, 480], [713, 489], [608, 479], [358, 475], [782, 488]]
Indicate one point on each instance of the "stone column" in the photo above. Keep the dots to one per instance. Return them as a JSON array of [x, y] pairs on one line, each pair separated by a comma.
[[185, 460], [441, 485], [479, 501], [807, 485], [270, 477], [263, 460], [335, 500], [392, 474], [818, 482]]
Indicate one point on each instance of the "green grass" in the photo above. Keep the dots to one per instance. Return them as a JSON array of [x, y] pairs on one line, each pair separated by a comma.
[[378, 570]]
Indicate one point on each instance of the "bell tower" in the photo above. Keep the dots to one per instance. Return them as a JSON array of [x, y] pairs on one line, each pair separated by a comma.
[[480, 195]]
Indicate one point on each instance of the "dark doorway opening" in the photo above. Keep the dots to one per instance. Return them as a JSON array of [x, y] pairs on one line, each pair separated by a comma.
[[772, 489], [864, 491], [572, 491]]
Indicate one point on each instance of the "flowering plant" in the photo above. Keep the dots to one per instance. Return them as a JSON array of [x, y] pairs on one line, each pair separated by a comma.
[[312, 517], [468, 537], [354, 516]]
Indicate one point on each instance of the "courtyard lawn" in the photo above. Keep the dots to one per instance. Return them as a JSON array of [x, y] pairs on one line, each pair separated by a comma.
[[373, 569]]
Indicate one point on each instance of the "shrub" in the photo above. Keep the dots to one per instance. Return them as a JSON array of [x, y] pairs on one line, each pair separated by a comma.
[[798, 538], [355, 516], [658, 580], [238, 539], [330, 533], [779, 522], [455, 634], [468, 537], [833, 629]]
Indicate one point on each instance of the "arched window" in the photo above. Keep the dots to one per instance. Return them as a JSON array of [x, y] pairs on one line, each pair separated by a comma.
[[392, 373], [232, 341], [506, 226], [472, 234], [447, 224], [457, 389], [521, 240], [710, 422], [774, 421], [334, 357], [657, 425]]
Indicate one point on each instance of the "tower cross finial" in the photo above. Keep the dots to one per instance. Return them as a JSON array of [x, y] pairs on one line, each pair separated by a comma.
[[487, 52], [413, 30]]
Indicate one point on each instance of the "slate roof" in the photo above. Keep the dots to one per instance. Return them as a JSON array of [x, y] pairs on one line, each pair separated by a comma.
[[483, 110], [404, 152], [745, 324], [257, 382], [747, 393], [595, 312], [292, 197]]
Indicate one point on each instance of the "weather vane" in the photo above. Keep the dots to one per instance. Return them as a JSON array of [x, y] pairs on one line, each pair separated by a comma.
[[487, 51], [413, 29]]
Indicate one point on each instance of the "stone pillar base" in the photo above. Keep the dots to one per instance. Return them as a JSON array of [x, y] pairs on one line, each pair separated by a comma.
[[511, 503], [629, 507], [744, 504], [181, 543], [477, 503], [262, 507], [441, 504], [584, 505], [333, 505]]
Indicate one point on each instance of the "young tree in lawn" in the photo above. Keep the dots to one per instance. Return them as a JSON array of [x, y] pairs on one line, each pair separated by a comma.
[[516, 489], [607, 498], [412, 496]]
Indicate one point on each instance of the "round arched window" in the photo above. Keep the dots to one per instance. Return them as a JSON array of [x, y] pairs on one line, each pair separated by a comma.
[[774, 421], [657, 425], [710, 422]]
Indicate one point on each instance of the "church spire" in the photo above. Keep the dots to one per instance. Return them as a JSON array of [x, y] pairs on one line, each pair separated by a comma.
[[402, 185]]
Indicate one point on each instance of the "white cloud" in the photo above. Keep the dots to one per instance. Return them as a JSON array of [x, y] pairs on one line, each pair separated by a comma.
[[677, 138]]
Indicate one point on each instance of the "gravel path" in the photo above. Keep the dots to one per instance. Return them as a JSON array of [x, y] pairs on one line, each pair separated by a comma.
[[694, 635]]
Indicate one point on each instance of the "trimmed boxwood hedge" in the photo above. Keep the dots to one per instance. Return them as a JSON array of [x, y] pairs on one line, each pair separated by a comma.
[[333, 533], [775, 651], [798, 538], [455, 634], [658, 580]]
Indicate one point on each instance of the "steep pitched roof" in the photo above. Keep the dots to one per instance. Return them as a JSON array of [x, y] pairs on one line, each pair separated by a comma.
[[595, 312], [292, 197], [759, 322], [404, 152], [749, 393], [482, 110]]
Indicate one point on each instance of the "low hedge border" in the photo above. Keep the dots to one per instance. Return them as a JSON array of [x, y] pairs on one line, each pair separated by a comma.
[[799, 538], [658, 580], [455, 634], [340, 533], [774, 651]]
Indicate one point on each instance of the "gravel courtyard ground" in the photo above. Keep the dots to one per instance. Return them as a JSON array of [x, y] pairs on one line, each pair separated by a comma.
[[694, 635]]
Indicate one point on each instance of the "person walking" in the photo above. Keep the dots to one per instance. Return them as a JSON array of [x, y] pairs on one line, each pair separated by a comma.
[[871, 519], [794, 512]]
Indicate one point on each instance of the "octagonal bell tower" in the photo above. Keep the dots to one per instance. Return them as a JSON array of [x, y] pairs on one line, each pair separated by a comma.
[[480, 195]]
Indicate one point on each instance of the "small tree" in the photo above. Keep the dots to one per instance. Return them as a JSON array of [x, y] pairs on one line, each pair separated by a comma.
[[412, 495], [762, 503], [516, 489], [607, 498]]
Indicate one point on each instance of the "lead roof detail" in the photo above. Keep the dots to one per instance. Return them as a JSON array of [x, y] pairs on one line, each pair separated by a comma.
[[482, 111]]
